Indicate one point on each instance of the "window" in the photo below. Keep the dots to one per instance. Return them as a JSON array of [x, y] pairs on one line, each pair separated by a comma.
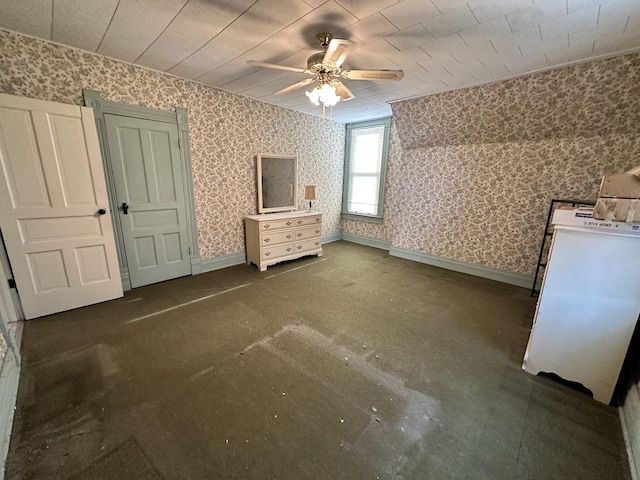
[[365, 169]]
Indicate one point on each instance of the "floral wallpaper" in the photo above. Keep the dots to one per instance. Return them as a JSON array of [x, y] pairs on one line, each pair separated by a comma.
[[226, 131], [472, 172]]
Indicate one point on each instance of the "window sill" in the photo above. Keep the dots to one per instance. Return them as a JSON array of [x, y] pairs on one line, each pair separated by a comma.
[[362, 218]]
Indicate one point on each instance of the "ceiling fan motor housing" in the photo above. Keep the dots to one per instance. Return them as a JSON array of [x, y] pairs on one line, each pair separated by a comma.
[[314, 62]]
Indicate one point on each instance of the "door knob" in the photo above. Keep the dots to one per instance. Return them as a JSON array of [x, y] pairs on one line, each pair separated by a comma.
[[125, 208], [102, 211]]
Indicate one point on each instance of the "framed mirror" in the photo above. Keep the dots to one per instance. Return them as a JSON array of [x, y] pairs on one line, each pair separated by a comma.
[[277, 183]]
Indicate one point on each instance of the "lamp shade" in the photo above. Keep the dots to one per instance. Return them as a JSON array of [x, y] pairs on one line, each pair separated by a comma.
[[310, 192]]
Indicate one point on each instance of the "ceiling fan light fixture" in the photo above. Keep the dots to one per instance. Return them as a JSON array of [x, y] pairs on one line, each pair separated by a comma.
[[324, 93]]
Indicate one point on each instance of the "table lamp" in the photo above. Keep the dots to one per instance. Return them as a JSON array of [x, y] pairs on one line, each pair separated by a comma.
[[310, 193]]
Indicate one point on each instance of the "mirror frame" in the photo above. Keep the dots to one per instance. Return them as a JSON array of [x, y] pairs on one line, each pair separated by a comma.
[[283, 208]]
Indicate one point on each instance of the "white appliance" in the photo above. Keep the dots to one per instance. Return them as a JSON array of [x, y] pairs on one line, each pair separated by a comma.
[[588, 307]]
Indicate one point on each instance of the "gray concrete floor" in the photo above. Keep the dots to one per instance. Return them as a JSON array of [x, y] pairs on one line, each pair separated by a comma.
[[354, 365]]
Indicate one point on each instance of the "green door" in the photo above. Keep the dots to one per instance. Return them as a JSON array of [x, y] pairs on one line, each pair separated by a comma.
[[151, 200]]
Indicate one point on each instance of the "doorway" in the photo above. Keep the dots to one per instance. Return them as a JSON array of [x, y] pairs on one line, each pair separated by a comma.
[[150, 183]]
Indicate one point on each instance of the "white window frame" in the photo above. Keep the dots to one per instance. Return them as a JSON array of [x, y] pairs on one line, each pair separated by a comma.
[[348, 174]]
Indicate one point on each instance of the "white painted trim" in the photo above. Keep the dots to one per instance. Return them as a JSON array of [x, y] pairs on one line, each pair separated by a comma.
[[517, 279], [9, 379], [368, 241], [210, 264]]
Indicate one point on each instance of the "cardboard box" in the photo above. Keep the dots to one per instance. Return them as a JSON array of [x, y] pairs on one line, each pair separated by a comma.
[[621, 185], [617, 210]]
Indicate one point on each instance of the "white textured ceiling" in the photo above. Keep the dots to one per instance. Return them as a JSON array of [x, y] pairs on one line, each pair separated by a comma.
[[440, 44]]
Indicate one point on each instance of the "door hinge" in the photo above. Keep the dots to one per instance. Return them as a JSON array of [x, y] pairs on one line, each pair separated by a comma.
[[12, 283]]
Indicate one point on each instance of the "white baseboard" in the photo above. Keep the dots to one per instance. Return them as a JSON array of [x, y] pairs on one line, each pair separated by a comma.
[[211, 264], [517, 279], [368, 241]]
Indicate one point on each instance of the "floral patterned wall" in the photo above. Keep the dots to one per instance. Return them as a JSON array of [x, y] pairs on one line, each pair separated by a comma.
[[226, 131], [474, 170]]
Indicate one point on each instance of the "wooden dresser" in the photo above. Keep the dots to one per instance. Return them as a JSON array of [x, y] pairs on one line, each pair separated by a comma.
[[276, 237]]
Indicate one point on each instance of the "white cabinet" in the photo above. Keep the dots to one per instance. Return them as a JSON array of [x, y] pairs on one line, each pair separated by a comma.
[[276, 237], [588, 308]]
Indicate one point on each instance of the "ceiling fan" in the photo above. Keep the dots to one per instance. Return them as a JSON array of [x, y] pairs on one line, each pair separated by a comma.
[[326, 68]]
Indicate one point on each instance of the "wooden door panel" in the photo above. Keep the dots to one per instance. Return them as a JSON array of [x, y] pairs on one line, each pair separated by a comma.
[[72, 161], [148, 178], [21, 161], [173, 247], [62, 251], [164, 180]]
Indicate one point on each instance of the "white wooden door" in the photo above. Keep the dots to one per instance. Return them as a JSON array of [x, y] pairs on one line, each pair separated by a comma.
[[147, 172], [54, 206]]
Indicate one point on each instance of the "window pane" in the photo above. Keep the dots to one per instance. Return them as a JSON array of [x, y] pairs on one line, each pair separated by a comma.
[[364, 195], [365, 163], [367, 150]]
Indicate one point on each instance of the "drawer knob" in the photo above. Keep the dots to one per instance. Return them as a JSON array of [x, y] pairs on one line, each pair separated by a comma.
[[289, 249], [299, 234], [266, 225], [299, 247], [299, 222], [266, 240], [317, 219], [266, 254], [317, 231], [289, 236], [289, 223], [317, 243]]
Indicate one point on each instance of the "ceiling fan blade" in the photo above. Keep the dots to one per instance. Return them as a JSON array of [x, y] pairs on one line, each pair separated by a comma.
[[304, 82], [278, 67], [342, 91], [372, 74], [336, 52]]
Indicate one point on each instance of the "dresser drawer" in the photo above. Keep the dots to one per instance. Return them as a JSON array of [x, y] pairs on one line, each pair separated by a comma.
[[307, 245], [269, 253], [307, 232], [276, 238], [277, 224], [312, 220]]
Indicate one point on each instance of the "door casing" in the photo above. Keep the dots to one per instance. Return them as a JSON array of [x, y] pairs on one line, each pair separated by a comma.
[[180, 118]]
